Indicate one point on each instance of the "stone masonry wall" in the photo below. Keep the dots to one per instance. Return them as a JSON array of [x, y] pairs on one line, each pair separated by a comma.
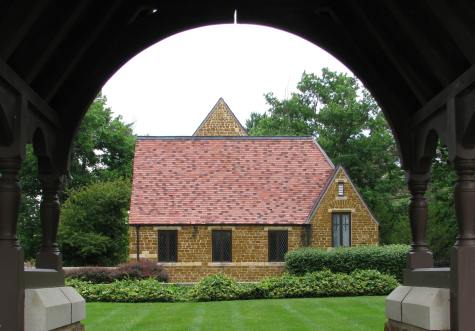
[[364, 230], [249, 251], [220, 122]]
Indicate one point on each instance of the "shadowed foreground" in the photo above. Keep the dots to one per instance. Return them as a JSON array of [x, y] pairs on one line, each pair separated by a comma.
[[322, 314]]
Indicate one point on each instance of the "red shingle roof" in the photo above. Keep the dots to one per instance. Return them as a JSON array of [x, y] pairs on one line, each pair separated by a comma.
[[226, 180]]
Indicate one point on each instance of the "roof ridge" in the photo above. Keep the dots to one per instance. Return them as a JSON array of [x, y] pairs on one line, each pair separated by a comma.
[[226, 138]]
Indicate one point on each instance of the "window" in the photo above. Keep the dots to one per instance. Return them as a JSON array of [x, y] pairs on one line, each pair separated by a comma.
[[221, 246], [341, 189], [341, 229], [167, 245], [278, 245]]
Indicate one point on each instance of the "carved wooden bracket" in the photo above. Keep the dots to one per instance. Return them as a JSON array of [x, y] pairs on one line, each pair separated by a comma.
[[450, 117]]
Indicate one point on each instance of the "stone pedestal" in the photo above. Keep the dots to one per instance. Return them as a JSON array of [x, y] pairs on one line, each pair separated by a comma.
[[54, 308], [411, 308]]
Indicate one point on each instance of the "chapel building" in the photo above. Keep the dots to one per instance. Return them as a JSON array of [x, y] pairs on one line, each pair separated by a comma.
[[223, 201]]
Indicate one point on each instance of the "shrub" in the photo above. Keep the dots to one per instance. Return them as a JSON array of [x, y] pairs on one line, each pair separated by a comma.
[[148, 290], [325, 284], [133, 270], [217, 287], [93, 228], [390, 259], [220, 287]]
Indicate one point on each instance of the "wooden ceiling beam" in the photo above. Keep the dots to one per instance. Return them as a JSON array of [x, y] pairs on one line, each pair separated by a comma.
[[74, 56], [13, 30], [440, 68], [455, 26], [46, 52], [406, 69]]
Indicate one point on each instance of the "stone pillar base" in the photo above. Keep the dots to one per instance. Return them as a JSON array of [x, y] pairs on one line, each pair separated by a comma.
[[72, 327], [411, 308], [54, 308]]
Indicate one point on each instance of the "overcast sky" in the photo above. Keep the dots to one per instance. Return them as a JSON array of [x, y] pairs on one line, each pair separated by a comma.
[[169, 88]]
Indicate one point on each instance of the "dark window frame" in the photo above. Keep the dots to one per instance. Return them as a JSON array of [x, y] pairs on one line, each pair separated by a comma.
[[219, 252], [341, 231], [279, 257], [171, 255]]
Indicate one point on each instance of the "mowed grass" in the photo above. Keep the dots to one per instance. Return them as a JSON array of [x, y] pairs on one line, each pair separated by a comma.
[[322, 314]]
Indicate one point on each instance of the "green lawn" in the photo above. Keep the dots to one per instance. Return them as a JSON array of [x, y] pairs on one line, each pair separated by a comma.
[[322, 314]]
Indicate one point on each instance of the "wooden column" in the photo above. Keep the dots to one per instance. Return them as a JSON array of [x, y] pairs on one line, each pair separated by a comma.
[[419, 256], [12, 259], [462, 296], [49, 256]]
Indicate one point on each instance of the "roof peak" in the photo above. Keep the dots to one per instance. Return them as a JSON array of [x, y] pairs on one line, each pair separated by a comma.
[[220, 121]]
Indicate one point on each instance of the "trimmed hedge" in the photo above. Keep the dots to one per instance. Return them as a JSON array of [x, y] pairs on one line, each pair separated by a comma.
[[390, 259], [148, 290], [220, 287], [132, 270]]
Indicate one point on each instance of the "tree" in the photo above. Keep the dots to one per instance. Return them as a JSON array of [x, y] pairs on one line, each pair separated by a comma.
[[337, 110], [94, 227], [102, 151]]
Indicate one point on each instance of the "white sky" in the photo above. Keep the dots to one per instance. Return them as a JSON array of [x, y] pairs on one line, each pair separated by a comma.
[[169, 88]]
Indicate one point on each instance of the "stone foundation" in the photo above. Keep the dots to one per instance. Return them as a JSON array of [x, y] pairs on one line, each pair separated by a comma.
[[396, 326], [243, 273], [54, 308], [72, 327], [411, 308]]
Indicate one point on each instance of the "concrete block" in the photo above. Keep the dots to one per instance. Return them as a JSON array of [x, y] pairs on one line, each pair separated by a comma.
[[394, 302], [78, 304], [427, 308], [46, 309]]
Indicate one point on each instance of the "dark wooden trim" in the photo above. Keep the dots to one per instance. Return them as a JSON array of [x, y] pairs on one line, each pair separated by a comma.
[[427, 277], [41, 278], [439, 101]]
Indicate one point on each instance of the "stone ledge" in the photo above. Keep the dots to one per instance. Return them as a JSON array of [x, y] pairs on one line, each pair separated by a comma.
[[180, 264], [246, 264]]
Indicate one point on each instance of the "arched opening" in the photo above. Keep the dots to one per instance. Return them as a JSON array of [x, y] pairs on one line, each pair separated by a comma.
[[341, 219], [404, 60]]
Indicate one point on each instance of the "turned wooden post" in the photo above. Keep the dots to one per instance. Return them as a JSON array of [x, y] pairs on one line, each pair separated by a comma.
[[419, 256], [12, 259], [462, 295], [49, 256]]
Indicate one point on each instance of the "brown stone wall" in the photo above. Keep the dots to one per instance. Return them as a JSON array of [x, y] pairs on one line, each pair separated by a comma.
[[249, 251], [364, 230], [220, 122]]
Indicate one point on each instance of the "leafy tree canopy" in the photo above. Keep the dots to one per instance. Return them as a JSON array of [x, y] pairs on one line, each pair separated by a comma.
[[348, 124], [103, 150]]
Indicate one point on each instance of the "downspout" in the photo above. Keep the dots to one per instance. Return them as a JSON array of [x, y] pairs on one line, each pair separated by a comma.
[[308, 234], [137, 233]]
